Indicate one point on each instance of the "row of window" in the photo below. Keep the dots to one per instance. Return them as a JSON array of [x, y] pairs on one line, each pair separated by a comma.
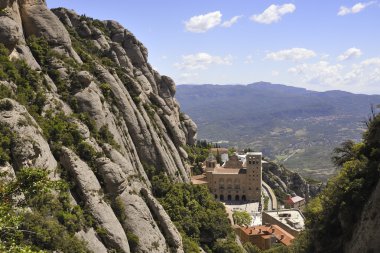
[[236, 187]]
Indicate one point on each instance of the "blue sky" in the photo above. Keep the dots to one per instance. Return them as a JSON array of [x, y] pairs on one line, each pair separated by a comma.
[[315, 44]]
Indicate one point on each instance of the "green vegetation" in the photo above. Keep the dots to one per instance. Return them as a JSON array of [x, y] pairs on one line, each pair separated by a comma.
[[6, 136], [251, 248], [242, 218], [197, 155], [30, 88], [200, 219], [338, 208], [36, 214], [266, 202], [133, 240]]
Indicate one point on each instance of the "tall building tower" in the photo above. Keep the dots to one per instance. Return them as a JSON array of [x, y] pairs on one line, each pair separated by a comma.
[[210, 162], [253, 162]]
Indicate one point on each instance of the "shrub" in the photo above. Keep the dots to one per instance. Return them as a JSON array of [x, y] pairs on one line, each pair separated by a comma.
[[43, 225], [6, 105], [6, 136], [86, 151], [133, 241], [193, 209]]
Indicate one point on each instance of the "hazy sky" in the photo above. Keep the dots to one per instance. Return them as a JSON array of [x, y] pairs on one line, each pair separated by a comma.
[[316, 44]]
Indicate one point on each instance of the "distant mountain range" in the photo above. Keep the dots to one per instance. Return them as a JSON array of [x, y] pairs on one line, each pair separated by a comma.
[[293, 126]]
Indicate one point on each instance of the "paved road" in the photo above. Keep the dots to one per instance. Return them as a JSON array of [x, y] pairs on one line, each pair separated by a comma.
[[272, 204]]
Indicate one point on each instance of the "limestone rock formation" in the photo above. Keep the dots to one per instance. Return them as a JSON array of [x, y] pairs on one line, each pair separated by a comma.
[[288, 182], [30, 149], [366, 233], [124, 121]]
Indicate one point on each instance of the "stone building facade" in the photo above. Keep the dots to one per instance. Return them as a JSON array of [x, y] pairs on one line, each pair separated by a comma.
[[235, 180]]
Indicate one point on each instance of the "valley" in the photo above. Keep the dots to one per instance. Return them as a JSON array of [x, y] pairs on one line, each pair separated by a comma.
[[291, 126]]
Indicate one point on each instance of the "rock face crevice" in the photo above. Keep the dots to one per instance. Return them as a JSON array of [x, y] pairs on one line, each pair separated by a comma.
[[126, 99]]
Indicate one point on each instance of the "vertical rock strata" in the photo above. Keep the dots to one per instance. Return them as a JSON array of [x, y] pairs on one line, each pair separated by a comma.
[[126, 98]]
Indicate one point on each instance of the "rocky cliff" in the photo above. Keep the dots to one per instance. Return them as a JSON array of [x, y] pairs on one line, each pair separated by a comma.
[[284, 181], [93, 81]]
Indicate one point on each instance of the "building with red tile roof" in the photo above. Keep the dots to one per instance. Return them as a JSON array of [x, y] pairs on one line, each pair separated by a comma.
[[264, 236]]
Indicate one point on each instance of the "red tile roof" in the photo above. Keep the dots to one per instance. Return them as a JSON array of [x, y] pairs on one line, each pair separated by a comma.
[[269, 230]]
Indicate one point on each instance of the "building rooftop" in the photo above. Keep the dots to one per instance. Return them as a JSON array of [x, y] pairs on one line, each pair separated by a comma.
[[292, 218], [199, 179], [254, 153], [267, 231], [222, 170], [295, 199]]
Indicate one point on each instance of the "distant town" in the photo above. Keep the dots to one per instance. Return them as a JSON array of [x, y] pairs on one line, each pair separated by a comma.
[[236, 181]]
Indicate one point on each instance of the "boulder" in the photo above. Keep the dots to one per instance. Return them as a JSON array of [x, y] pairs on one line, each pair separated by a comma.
[[29, 148], [10, 32]]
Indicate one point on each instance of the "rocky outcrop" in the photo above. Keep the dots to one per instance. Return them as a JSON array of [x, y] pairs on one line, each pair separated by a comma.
[[366, 232], [170, 231], [39, 21], [288, 182], [91, 192], [123, 115], [92, 240], [29, 148], [12, 33]]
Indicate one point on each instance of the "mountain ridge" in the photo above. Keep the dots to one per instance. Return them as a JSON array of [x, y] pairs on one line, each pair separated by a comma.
[[270, 84], [289, 124]]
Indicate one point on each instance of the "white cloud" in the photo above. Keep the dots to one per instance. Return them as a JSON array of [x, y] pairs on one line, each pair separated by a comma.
[[202, 61], [343, 10], [273, 13], [366, 72], [321, 73], [349, 54], [230, 22], [203, 23], [362, 76], [294, 54], [275, 73], [248, 59]]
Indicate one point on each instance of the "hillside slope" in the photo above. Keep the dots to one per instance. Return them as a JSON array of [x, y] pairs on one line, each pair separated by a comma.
[[345, 216], [80, 100], [293, 126]]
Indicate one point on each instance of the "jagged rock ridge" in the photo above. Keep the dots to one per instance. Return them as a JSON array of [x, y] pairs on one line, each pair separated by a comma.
[[127, 97], [284, 182]]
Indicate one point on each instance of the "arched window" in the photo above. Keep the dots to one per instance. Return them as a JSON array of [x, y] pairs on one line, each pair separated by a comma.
[[243, 198], [221, 197], [237, 198], [229, 198]]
